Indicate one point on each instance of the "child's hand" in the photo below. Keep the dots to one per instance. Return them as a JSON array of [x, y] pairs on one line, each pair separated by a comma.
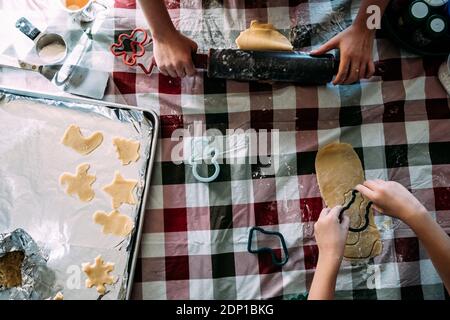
[[173, 55], [392, 199], [330, 234]]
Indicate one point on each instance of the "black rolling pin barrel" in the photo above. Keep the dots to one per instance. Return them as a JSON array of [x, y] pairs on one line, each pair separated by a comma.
[[297, 67]]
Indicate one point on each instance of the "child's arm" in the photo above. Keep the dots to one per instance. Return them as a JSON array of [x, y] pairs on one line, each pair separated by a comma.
[[330, 237], [395, 200], [172, 50]]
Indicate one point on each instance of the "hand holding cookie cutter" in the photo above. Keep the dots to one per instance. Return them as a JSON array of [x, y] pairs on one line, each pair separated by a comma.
[[207, 153], [366, 215]]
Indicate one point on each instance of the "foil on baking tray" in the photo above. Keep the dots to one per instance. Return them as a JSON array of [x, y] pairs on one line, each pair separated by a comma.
[[35, 274], [54, 230]]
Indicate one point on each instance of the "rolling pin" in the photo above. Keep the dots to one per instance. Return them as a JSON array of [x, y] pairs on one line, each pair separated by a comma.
[[273, 66], [277, 66]]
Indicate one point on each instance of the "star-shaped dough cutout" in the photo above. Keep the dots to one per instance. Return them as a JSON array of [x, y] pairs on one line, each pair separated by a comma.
[[114, 223], [98, 274], [121, 190], [127, 150], [80, 183]]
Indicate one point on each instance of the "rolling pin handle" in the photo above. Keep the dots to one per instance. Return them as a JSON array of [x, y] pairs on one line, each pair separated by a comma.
[[200, 60]]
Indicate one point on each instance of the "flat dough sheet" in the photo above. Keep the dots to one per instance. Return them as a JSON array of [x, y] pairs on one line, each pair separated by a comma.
[[339, 170]]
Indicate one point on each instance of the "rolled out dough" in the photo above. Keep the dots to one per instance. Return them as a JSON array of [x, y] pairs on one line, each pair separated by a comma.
[[338, 171], [74, 139], [262, 36]]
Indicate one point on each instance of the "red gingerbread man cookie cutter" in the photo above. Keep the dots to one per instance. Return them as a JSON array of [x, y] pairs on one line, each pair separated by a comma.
[[135, 43]]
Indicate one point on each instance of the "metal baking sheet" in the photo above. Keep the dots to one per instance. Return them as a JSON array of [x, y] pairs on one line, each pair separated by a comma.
[[32, 159]]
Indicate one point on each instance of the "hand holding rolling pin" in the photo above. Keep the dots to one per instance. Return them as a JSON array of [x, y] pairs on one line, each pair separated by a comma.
[[172, 50], [355, 44]]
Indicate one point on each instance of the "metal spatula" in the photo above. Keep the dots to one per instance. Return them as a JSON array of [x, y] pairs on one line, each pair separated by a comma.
[[81, 81], [48, 71]]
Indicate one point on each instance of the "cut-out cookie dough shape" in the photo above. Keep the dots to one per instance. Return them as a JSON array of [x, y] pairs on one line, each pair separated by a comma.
[[338, 171], [58, 296], [127, 150], [80, 183], [121, 190], [263, 36], [98, 274], [74, 139], [114, 223]]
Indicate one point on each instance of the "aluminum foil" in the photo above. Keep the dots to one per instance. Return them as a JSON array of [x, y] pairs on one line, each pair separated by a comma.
[[35, 274], [32, 199]]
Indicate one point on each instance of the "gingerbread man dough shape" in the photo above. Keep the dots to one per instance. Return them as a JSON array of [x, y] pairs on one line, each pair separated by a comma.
[[114, 223], [79, 184], [339, 170], [121, 190], [127, 150], [74, 139], [98, 274]]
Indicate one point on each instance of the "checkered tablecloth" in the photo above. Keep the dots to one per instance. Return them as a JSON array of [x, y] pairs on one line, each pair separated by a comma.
[[194, 244]]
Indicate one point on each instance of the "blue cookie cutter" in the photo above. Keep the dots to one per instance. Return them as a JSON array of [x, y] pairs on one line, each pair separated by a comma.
[[275, 261], [366, 215]]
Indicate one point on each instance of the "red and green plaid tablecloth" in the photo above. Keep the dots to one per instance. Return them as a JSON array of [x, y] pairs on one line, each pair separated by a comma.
[[194, 244]]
